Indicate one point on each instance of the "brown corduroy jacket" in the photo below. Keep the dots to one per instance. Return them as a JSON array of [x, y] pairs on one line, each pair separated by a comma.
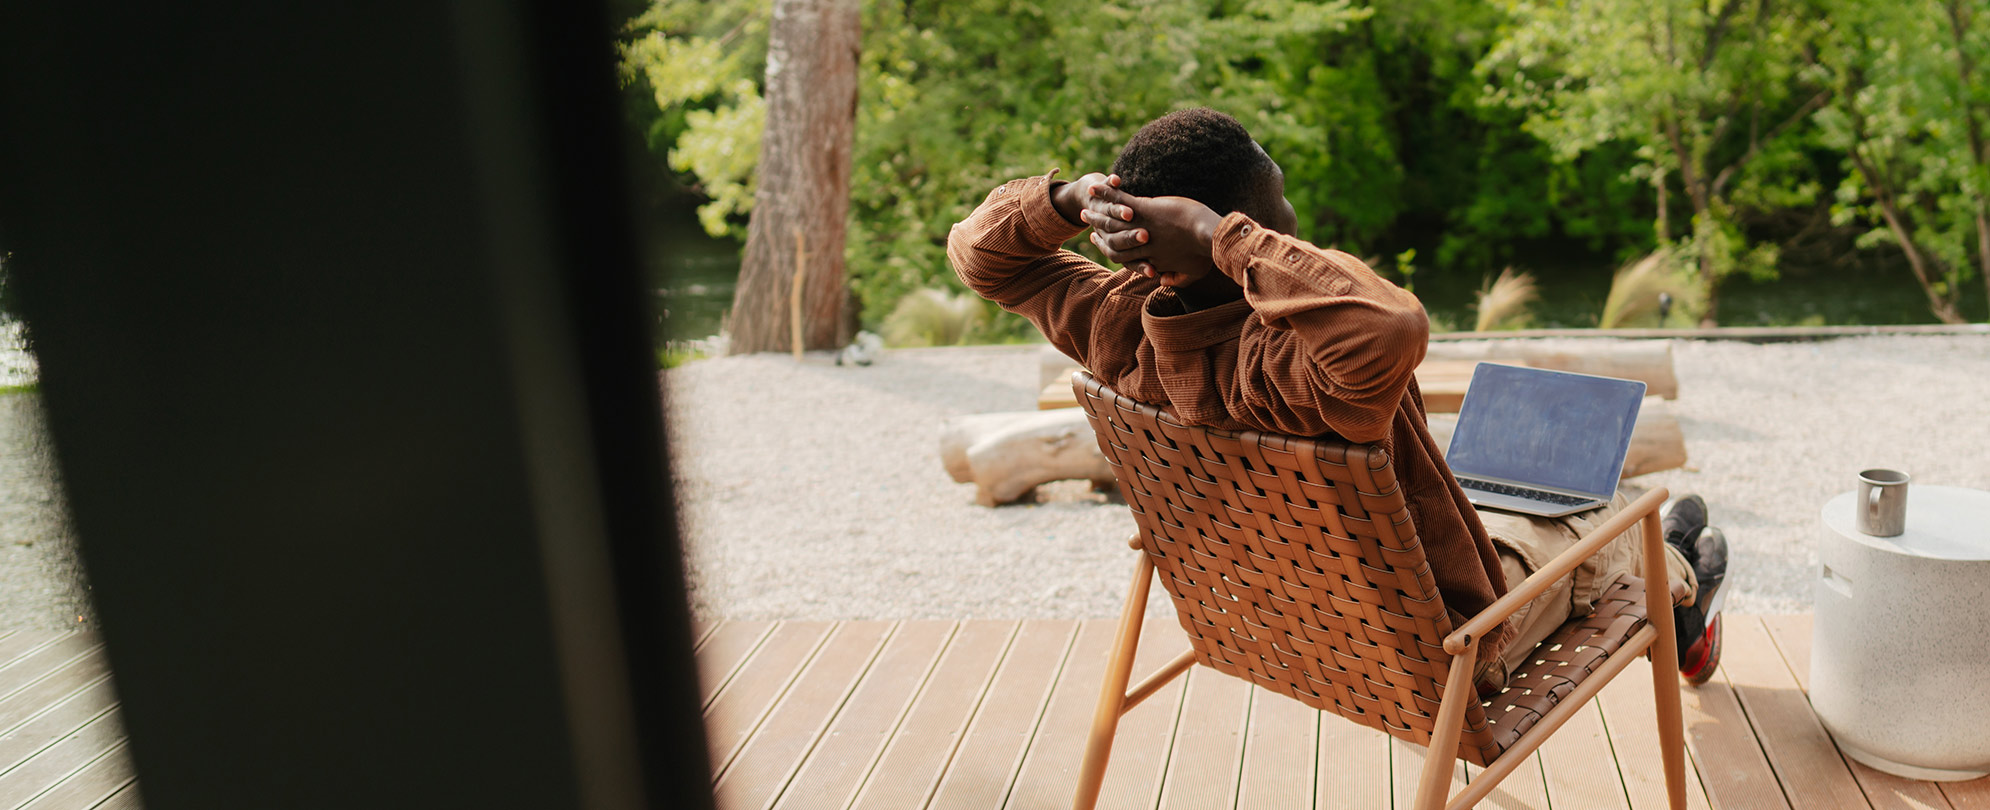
[[1318, 345]]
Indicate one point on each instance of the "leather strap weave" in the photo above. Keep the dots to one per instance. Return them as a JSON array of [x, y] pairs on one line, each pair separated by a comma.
[[1293, 564]]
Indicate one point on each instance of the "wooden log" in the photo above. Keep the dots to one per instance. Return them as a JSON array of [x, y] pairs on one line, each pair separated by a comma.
[[1646, 360], [1058, 394], [1005, 455], [1054, 366], [1656, 441], [1447, 368], [1443, 382]]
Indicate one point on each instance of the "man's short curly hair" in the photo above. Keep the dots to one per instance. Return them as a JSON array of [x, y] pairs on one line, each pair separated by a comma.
[[1197, 153]]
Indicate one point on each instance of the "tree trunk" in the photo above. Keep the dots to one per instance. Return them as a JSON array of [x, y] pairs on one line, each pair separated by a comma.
[[1983, 249], [803, 199], [1709, 282], [1692, 179], [1709, 317], [1942, 306], [1664, 215]]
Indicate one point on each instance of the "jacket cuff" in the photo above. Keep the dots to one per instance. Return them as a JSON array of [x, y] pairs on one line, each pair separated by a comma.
[[1191, 332], [1238, 238], [1047, 228]]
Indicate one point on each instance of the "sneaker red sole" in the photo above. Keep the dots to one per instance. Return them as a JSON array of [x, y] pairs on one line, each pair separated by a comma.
[[1698, 662]]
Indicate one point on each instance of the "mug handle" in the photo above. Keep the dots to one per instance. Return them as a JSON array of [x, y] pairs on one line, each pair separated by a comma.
[[1872, 500]]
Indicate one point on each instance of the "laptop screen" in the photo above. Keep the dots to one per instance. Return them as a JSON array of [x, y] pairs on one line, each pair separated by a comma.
[[1545, 428]]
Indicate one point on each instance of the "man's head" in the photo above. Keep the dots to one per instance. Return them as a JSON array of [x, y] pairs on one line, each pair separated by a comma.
[[1208, 157]]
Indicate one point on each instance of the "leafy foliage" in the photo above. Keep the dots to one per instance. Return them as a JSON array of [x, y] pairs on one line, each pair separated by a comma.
[[1908, 116], [702, 62], [961, 95], [930, 317], [1477, 134], [1711, 96]]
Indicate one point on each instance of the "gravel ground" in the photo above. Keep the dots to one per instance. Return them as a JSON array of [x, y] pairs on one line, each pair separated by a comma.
[[41, 581], [815, 491]]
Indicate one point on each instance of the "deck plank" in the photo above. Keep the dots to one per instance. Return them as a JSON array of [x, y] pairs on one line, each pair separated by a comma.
[[744, 702], [32, 698], [74, 711], [1280, 754], [1049, 774], [126, 798], [56, 764], [16, 643], [982, 713], [775, 751], [1209, 743], [1971, 795], [836, 769], [724, 652], [1579, 767], [99, 780], [1733, 769], [1524, 789], [1406, 768], [31, 667], [926, 740], [1883, 791], [1147, 733], [985, 767], [1792, 637], [1630, 716], [1801, 753], [1353, 766]]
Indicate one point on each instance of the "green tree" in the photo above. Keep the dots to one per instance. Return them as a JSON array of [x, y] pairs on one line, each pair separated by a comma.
[[1392, 146], [1908, 115], [956, 96], [959, 95], [702, 62], [1711, 96]]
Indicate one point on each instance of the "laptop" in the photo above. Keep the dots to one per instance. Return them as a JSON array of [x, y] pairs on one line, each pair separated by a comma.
[[1541, 442]]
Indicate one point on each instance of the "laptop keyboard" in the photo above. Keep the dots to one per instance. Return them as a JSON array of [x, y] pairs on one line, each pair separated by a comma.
[[1523, 492]]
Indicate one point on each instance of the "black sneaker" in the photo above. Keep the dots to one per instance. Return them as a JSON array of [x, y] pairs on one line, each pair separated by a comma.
[[1698, 626], [1682, 517]]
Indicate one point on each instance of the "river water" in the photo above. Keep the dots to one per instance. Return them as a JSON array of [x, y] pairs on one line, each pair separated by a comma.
[[694, 276]]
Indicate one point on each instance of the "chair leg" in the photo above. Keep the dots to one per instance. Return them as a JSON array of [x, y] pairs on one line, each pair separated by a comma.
[[1442, 758], [1664, 664], [1112, 693]]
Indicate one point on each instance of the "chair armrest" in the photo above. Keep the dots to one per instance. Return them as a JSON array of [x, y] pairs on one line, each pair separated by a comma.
[[1533, 586]]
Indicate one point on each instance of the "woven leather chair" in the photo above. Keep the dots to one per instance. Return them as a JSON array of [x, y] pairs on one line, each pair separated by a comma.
[[1293, 564]]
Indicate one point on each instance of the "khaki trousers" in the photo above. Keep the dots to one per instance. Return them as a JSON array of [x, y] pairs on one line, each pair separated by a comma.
[[1525, 543]]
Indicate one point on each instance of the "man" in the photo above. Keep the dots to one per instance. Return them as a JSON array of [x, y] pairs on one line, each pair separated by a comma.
[[1228, 320]]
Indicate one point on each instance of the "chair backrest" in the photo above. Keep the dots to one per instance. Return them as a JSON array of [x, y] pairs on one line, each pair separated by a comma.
[[1292, 564]]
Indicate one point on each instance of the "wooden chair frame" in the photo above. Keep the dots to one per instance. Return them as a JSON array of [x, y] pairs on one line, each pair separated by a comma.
[[1656, 639]]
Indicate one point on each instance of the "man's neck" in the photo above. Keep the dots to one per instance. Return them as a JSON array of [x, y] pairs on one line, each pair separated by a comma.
[[1212, 290]]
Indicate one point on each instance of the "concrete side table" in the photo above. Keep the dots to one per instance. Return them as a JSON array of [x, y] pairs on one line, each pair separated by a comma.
[[1900, 653]]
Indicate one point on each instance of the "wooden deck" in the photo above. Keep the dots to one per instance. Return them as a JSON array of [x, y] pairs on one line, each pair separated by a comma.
[[62, 747], [990, 714]]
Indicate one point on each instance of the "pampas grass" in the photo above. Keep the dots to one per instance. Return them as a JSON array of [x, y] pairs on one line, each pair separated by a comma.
[[1635, 290], [1503, 302], [930, 317]]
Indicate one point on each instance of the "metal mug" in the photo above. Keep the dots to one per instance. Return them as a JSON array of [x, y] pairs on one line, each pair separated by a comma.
[[1882, 502]]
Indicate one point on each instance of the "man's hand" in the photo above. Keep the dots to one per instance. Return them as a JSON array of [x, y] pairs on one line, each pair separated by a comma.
[[1069, 198], [1165, 238]]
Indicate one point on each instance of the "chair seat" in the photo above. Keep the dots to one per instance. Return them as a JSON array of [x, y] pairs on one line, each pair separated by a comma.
[[1564, 659]]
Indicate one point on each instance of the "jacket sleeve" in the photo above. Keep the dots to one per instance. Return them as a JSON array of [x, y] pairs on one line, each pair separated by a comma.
[[1360, 337], [1008, 251]]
